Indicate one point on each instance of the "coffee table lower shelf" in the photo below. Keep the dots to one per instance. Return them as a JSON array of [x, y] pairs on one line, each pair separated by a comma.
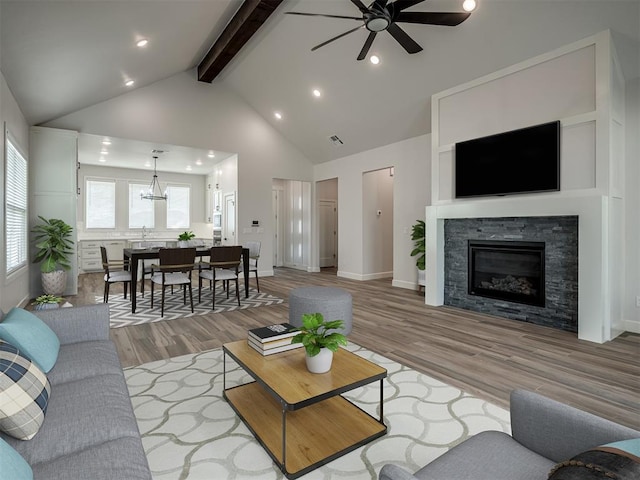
[[315, 435]]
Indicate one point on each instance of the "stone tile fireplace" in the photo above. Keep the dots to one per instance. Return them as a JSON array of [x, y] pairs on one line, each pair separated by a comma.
[[523, 268]]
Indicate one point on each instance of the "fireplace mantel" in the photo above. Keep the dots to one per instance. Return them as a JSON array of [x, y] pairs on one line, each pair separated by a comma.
[[596, 299]]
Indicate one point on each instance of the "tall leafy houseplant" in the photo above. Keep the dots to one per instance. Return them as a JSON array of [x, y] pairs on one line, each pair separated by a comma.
[[419, 243], [320, 340], [54, 250]]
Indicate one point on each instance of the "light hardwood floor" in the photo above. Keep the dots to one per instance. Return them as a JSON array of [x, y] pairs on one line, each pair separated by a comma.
[[482, 355]]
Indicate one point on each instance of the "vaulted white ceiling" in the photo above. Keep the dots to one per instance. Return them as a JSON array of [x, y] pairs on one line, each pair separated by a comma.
[[62, 56]]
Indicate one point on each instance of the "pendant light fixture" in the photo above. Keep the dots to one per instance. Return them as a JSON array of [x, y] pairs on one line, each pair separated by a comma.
[[154, 192]]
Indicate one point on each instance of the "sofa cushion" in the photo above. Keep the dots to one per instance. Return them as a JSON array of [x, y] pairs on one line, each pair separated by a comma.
[[487, 456], [24, 394], [81, 415], [12, 465], [619, 460], [77, 361], [118, 459], [32, 336]]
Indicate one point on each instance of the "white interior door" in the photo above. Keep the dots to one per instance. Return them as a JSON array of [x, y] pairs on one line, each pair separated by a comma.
[[278, 235], [229, 215], [328, 227]]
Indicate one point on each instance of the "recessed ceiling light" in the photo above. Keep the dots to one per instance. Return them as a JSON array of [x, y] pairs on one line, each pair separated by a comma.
[[278, 115], [102, 159], [211, 155], [104, 152], [147, 164], [142, 42], [469, 5], [106, 141], [189, 168], [317, 93], [198, 162], [374, 59], [129, 83]]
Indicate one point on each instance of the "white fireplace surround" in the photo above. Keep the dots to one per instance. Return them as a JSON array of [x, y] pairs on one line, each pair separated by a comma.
[[595, 296]]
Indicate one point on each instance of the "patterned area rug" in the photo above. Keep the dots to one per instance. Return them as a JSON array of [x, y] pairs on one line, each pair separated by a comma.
[[190, 432], [121, 316]]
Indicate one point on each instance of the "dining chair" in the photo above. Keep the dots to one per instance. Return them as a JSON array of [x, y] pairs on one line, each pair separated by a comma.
[[254, 255], [224, 266], [114, 272], [173, 268]]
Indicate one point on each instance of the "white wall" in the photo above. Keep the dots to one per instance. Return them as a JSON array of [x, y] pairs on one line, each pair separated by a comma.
[[14, 290], [630, 311], [411, 160], [182, 111]]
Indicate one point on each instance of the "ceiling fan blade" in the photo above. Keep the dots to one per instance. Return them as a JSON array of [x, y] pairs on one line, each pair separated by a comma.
[[361, 6], [323, 15], [367, 46], [400, 5], [432, 18], [336, 38], [380, 4], [403, 39]]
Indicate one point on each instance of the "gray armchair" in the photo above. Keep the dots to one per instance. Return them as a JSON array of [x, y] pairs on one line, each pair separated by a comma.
[[544, 433]]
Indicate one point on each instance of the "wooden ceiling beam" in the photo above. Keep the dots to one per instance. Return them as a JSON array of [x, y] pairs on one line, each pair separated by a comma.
[[247, 20]]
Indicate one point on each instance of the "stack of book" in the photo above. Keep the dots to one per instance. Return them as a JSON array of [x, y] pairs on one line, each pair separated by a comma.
[[273, 339]]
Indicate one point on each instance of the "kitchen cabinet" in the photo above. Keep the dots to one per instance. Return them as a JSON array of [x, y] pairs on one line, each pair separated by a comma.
[[90, 257]]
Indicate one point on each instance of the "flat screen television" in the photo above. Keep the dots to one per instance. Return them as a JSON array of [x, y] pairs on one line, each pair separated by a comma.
[[526, 160]]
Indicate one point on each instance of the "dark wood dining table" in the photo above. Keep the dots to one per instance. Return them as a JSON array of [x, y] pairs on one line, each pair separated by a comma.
[[132, 257]]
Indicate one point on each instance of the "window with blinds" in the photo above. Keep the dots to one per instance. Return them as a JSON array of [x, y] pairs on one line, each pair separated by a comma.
[[178, 203], [15, 208], [141, 211], [100, 204]]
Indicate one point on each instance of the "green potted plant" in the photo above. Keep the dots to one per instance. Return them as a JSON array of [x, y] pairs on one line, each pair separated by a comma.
[[46, 302], [320, 340], [54, 249], [419, 242], [184, 239]]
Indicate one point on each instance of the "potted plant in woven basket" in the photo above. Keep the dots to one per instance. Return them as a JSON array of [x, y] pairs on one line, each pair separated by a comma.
[[320, 340], [54, 250]]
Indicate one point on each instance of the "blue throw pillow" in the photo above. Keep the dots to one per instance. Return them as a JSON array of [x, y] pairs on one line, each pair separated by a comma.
[[32, 336], [12, 465]]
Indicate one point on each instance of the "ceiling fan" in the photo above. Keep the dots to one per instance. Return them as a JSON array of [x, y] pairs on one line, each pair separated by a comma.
[[384, 15]]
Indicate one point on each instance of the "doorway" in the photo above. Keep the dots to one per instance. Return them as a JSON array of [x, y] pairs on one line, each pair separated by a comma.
[[377, 223], [229, 215], [291, 201], [327, 194]]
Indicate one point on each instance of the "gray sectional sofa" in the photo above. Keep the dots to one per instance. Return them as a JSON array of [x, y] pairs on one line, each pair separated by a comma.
[[89, 431], [544, 433]]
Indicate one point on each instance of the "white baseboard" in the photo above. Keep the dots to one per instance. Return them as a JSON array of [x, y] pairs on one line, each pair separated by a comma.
[[364, 277], [632, 326], [404, 284], [313, 269]]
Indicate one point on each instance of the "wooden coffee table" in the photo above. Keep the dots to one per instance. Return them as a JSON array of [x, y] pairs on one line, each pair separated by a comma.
[[300, 418]]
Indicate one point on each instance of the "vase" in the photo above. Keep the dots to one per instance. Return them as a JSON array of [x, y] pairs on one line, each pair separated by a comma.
[[320, 363], [46, 306], [54, 283]]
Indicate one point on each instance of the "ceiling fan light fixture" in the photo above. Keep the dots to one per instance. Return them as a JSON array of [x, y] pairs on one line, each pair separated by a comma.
[[377, 23], [154, 192], [374, 59]]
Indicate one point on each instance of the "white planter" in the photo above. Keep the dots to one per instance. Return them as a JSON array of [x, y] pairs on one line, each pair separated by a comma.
[[54, 283], [184, 243], [320, 363]]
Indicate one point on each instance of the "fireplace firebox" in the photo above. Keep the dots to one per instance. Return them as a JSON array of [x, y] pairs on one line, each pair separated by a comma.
[[507, 270]]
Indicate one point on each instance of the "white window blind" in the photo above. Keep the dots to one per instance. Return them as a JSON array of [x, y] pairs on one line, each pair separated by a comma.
[[100, 204], [16, 208], [141, 211], [178, 204]]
